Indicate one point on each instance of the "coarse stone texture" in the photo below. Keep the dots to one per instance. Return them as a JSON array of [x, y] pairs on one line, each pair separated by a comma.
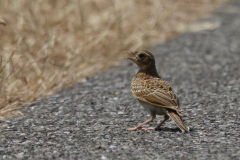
[[90, 119]]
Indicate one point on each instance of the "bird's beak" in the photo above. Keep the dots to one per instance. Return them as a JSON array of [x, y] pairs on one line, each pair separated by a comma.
[[132, 54]]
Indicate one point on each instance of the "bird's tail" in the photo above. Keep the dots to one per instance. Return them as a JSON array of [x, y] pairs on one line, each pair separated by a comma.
[[177, 119]]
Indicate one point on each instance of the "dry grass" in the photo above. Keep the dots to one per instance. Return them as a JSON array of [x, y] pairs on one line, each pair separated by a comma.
[[49, 44]]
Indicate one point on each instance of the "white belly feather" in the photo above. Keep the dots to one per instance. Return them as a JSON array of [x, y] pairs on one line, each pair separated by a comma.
[[153, 109]]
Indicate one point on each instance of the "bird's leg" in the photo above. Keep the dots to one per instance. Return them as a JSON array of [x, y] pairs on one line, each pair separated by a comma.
[[140, 125], [166, 117]]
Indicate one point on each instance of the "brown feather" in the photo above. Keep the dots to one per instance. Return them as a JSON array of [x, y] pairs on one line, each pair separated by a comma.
[[177, 119], [158, 95]]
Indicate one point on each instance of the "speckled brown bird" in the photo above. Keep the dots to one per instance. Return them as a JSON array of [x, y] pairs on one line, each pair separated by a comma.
[[153, 92]]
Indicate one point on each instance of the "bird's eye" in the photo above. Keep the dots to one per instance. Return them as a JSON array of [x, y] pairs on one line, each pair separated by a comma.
[[141, 55]]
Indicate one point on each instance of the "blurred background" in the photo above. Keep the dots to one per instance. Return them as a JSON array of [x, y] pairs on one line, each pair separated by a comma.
[[49, 44]]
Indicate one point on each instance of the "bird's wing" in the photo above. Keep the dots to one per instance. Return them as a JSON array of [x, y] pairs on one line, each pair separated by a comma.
[[155, 91]]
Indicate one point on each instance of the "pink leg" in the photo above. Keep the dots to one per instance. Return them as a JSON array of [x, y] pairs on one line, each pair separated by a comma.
[[140, 125], [166, 117], [159, 126]]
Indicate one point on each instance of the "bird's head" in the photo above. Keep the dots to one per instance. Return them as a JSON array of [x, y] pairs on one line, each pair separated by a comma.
[[143, 59]]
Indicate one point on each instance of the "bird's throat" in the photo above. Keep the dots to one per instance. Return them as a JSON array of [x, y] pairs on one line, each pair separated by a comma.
[[149, 70]]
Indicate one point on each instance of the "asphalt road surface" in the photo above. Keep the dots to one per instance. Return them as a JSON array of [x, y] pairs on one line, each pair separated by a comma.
[[90, 119]]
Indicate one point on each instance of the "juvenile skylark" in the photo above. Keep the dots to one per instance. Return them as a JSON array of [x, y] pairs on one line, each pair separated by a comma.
[[153, 92]]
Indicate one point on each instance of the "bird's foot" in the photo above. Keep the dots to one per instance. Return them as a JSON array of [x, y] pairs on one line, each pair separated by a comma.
[[150, 128], [146, 129], [136, 128]]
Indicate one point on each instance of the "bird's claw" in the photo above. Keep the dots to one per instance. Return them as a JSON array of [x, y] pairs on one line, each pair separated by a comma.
[[136, 128], [146, 129], [140, 128]]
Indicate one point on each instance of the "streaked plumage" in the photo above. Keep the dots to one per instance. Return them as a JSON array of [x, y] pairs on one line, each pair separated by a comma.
[[153, 92]]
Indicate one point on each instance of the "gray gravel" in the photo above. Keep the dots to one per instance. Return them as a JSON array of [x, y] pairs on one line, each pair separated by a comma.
[[89, 120]]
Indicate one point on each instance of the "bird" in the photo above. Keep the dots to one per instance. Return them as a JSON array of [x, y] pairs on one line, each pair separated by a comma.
[[154, 93]]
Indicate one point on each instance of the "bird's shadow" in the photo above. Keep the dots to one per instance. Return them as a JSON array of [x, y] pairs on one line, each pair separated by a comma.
[[173, 130]]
